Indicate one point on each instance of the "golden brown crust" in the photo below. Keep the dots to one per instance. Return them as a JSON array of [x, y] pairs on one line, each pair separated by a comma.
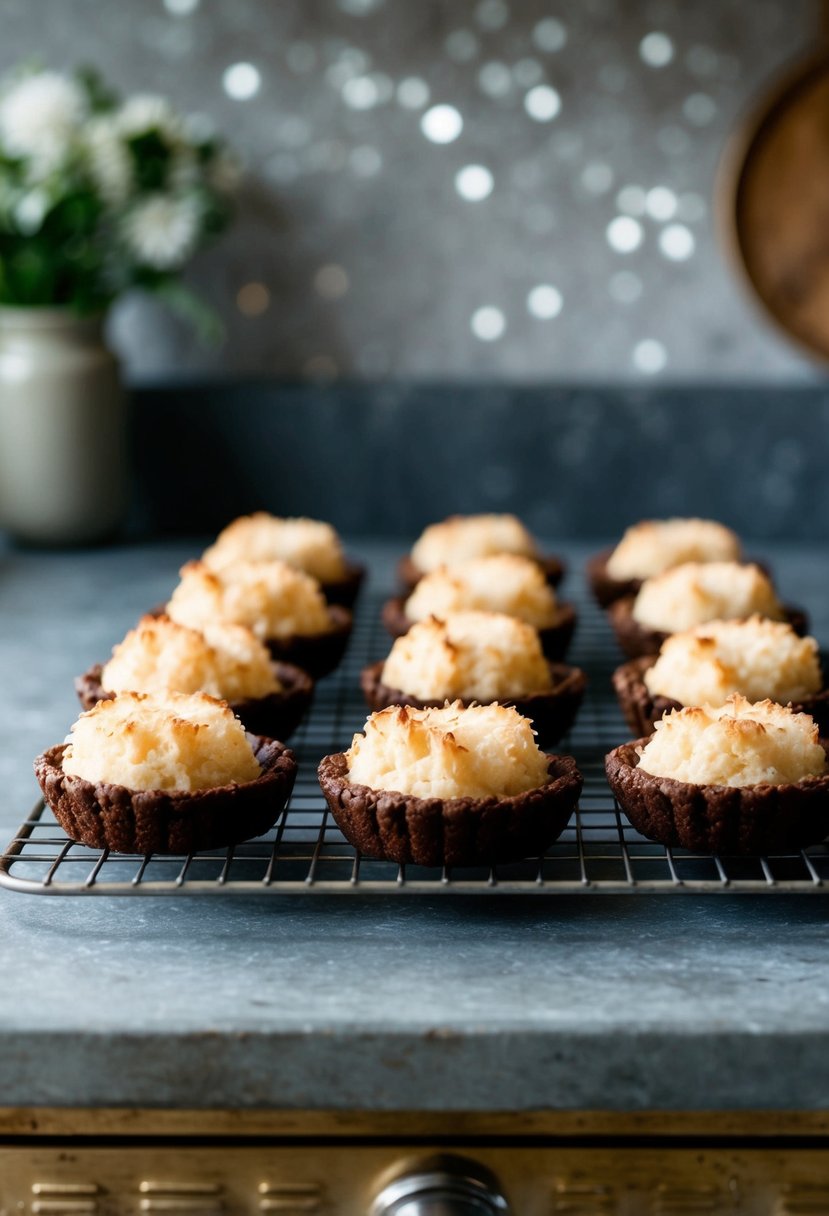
[[642, 708], [409, 576], [344, 591], [102, 815], [454, 831], [317, 653], [636, 640], [552, 711], [555, 639], [751, 819], [275, 716]]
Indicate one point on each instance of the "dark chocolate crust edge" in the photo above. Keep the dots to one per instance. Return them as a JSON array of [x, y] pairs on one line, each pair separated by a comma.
[[607, 590], [450, 832], [759, 819], [409, 576], [317, 653], [276, 716], [555, 638], [551, 711], [102, 815], [344, 591]]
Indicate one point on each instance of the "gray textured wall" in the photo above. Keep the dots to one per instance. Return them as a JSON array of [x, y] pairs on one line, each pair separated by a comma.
[[360, 253]]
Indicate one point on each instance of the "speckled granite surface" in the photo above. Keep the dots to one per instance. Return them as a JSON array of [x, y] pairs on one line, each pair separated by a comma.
[[608, 1003]]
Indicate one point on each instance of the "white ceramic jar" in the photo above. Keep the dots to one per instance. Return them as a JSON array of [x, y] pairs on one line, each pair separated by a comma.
[[63, 467]]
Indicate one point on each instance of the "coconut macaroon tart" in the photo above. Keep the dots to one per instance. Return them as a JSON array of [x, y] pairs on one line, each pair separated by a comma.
[[758, 658], [461, 537], [694, 594], [504, 583], [653, 546], [226, 661], [164, 773], [449, 786], [310, 545], [478, 656], [282, 606], [740, 778]]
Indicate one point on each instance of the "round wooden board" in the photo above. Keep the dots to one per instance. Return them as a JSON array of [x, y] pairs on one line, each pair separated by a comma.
[[775, 195]]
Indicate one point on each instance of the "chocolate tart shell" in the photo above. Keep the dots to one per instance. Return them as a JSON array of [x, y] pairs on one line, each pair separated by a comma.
[[552, 711], [102, 815], [607, 590], [454, 831], [756, 819], [344, 591], [635, 640], [642, 709], [555, 639], [318, 653], [409, 575], [276, 716]]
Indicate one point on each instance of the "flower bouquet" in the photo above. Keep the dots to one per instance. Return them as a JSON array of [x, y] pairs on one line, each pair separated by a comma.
[[97, 195]]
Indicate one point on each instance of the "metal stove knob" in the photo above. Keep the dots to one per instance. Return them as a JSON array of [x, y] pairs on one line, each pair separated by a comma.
[[442, 1186]]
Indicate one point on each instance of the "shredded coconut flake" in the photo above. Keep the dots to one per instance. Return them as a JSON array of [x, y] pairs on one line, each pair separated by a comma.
[[504, 583], [225, 661], [271, 598], [308, 544], [699, 592], [735, 744], [451, 752], [758, 658], [477, 656], [464, 536], [161, 741], [656, 545]]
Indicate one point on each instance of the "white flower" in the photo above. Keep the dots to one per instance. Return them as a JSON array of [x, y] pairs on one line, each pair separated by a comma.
[[40, 117], [109, 160], [31, 210], [162, 231], [148, 112]]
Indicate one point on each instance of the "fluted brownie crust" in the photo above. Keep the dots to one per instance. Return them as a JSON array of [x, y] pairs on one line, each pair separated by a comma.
[[103, 815], [754, 819], [409, 576], [450, 831], [318, 653], [344, 591], [552, 711], [275, 716], [607, 590], [555, 639], [642, 709], [636, 640]]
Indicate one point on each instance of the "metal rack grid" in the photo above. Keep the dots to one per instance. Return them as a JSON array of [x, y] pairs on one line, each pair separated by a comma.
[[305, 854]]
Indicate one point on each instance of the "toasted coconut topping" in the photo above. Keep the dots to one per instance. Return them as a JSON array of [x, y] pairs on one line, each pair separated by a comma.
[[478, 656], [161, 741], [270, 598], [226, 661], [656, 545], [450, 752], [699, 592], [735, 744], [757, 657], [464, 536], [307, 544], [504, 583]]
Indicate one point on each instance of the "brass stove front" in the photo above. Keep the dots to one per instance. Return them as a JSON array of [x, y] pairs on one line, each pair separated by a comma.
[[111, 1163]]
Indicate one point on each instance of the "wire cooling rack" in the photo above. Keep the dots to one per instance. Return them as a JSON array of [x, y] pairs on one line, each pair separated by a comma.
[[305, 853]]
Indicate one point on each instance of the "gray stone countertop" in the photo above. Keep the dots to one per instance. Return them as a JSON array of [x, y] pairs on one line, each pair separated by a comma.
[[604, 1003]]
